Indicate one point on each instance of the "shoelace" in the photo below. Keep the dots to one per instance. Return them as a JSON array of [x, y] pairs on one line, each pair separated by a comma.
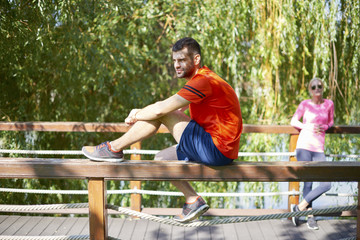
[[100, 146]]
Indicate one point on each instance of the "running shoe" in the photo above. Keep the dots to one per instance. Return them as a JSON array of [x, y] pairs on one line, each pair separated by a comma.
[[103, 153], [295, 220], [192, 210], [312, 224]]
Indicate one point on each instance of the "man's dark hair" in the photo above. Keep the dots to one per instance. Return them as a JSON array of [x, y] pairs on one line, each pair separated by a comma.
[[191, 44]]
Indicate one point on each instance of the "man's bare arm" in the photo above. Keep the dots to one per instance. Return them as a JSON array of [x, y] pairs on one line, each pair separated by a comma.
[[158, 109]]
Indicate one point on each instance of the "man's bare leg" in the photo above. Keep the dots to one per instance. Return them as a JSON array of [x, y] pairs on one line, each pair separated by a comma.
[[175, 121], [183, 186], [139, 131]]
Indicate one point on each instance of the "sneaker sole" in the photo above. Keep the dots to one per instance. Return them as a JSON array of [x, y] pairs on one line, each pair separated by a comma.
[[102, 159], [312, 228], [194, 215]]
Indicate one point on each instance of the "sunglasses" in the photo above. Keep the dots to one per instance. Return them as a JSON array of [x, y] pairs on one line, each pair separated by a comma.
[[313, 87]]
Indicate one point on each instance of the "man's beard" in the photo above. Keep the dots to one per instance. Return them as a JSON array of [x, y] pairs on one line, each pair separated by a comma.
[[187, 72]]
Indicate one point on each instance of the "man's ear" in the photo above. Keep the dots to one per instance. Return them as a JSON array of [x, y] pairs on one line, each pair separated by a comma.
[[197, 59]]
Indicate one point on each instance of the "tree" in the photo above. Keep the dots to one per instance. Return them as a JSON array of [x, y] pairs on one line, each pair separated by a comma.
[[94, 61]]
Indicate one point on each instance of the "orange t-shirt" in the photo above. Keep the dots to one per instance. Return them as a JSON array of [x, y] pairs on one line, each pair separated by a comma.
[[215, 106]]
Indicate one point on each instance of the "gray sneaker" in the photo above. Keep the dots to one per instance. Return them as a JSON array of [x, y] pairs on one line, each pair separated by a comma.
[[192, 210], [312, 224], [295, 220], [102, 153]]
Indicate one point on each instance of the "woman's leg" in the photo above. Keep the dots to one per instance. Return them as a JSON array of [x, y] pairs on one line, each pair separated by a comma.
[[309, 194], [304, 155]]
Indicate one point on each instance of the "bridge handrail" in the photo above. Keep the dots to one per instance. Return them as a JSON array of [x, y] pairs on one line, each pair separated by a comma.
[[170, 170], [240, 171], [122, 127], [178, 170]]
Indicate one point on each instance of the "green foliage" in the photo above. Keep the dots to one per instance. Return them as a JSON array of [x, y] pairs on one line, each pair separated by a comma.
[[95, 61]]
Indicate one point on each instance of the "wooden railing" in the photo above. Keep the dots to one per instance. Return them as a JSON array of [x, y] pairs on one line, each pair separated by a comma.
[[292, 171], [135, 203]]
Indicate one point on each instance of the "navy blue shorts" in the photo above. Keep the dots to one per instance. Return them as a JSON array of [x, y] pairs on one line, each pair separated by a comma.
[[197, 145]]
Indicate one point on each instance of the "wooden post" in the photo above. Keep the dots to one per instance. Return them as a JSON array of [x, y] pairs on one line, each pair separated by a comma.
[[97, 209], [293, 186], [135, 199], [358, 215]]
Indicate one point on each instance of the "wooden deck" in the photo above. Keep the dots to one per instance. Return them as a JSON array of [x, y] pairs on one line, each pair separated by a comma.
[[142, 229]]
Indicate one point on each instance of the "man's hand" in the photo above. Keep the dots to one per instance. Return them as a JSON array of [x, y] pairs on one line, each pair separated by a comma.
[[131, 119]]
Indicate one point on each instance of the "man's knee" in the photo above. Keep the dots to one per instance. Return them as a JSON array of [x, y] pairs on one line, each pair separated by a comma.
[[167, 154]]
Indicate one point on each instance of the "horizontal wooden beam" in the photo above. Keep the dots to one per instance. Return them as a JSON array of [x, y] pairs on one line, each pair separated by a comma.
[[178, 170], [122, 127], [68, 127]]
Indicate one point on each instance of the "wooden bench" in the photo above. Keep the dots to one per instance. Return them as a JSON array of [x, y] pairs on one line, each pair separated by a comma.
[[97, 173]]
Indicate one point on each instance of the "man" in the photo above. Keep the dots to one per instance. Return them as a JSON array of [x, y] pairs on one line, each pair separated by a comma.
[[211, 136]]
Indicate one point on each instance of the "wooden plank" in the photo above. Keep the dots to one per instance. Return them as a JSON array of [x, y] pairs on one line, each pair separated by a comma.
[[135, 199], [66, 226], [216, 232], [115, 226], [40, 226], [97, 211], [140, 229], [348, 226], [267, 230], [191, 234], [3, 218], [152, 230], [79, 226], [242, 231], [69, 127], [292, 232], [230, 232], [358, 214], [254, 230], [293, 186], [331, 229], [179, 170], [28, 225], [321, 232], [177, 233], [277, 226], [127, 229], [86, 229], [165, 231], [16, 225], [122, 127], [144, 229], [209, 232], [7, 226], [53, 226]]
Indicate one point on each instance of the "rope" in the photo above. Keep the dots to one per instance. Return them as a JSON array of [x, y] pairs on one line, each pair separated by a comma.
[[153, 152], [167, 193], [228, 220], [71, 237], [17, 208], [133, 213]]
